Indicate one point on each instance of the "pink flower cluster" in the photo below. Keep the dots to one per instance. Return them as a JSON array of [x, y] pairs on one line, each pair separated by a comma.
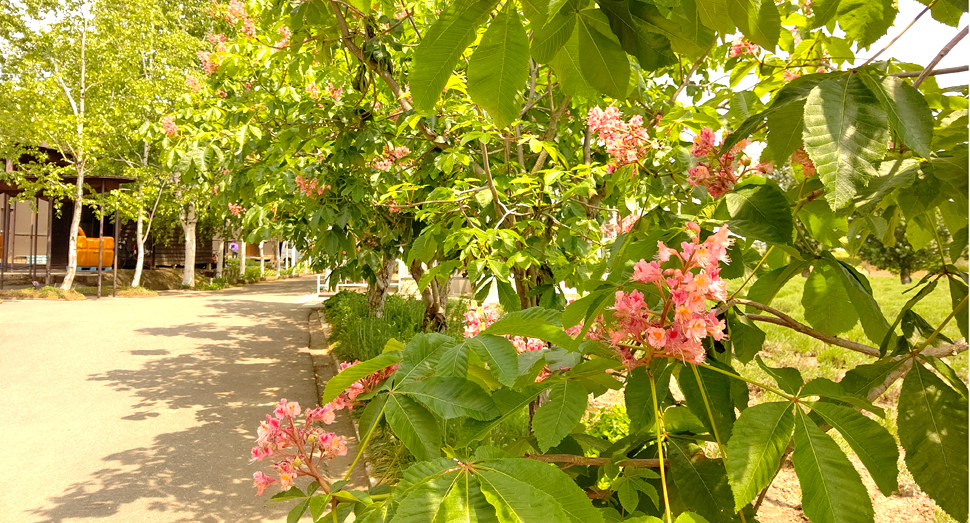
[[742, 47], [801, 157], [237, 11], [717, 174], [675, 325], [192, 83], [369, 383], [309, 186], [235, 209], [386, 162], [619, 226], [626, 142], [208, 64], [335, 92], [298, 449], [216, 39], [402, 14], [168, 125], [789, 75], [285, 35]]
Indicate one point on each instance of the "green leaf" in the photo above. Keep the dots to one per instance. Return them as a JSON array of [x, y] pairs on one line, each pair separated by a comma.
[[947, 11], [764, 289], [947, 372], [789, 379], [507, 296], [537, 11], [823, 224], [761, 435], [863, 378], [823, 11], [339, 383], [550, 480], [566, 64], [958, 291], [498, 69], [452, 397], [318, 505], [423, 248], [746, 338], [717, 387], [860, 294], [500, 355], [652, 50], [826, 302], [297, 511], [785, 129], [454, 362], [288, 494], [425, 503], [865, 21], [414, 426], [442, 47], [760, 212], [465, 503], [933, 430], [870, 441], [714, 14], [845, 133], [603, 63], [516, 501], [509, 402], [683, 29], [701, 482], [550, 38], [372, 415], [421, 354], [639, 397], [554, 420], [907, 110], [758, 20], [534, 322], [832, 490], [826, 388]]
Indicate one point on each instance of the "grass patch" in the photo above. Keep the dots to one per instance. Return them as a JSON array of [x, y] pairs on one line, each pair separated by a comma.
[[43, 293], [124, 291]]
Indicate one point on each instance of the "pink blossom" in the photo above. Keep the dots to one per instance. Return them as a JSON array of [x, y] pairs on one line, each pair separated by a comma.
[[703, 143], [626, 142], [401, 15], [216, 39], [285, 35], [261, 480], [236, 11], [386, 161], [742, 47], [620, 226], [168, 125], [249, 28], [235, 209], [646, 272], [208, 65], [192, 83], [335, 92], [309, 186], [656, 337], [789, 75], [801, 157]]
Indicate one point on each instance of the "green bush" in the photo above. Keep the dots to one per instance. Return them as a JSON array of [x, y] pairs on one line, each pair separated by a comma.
[[251, 275], [230, 270]]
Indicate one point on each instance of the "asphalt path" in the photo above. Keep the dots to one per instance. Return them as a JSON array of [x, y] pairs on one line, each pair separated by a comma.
[[145, 409]]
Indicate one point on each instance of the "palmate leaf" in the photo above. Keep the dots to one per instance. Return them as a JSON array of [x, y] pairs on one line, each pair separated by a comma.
[[516, 501], [652, 50], [421, 354], [832, 491], [907, 110], [414, 426], [760, 212], [857, 287], [451, 498], [701, 482], [746, 338], [758, 20], [866, 20], [554, 420], [534, 322], [826, 302], [714, 14], [500, 355], [761, 435], [933, 431], [547, 478], [764, 289], [825, 226], [870, 441], [509, 402], [499, 67], [639, 397], [603, 63], [339, 383], [452, 397], [683, 29], [717, 387], [566, 65], [845, 132], [442, 46], [550, 38]]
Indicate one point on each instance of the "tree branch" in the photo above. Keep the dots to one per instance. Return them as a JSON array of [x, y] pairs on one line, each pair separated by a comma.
[[943, 52], [571, 460]]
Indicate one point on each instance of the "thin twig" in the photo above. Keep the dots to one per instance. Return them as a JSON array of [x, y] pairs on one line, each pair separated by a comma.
[[686, 79], [943, 52], [901, 33], [583, 461], [934, 72]]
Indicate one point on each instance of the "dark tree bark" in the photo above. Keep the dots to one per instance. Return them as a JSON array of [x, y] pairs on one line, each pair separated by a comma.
[[377, 291], [435, 298]]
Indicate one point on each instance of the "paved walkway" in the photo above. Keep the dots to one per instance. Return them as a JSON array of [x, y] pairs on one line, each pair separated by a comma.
[[144, 409]]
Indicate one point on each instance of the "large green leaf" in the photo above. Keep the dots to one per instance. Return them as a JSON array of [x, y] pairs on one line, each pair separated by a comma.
[[761, 435], [746, 338], [764, 289], [717, 388], [566, 65], [534, 322], [907, 110], [421, 354], [684, 30], [947, 11], [339, 383], [603, 63], [500, 355], [424, 503], [958, 291], [870, 441], [465, 503], [652, 50], [549, 479], [701, 482], [785, 129], [550, 38], [846, 131], [714, 14], [414, 426], [758, 20], [516, 501], [498, 69], [865, 21], [760, 212], [863, 378], [452, 397], [832, 491], [933, 431], [826, 302], [442, 46], [639, 397], [825, 225], [509, 402], [860, 294], [557, 418]]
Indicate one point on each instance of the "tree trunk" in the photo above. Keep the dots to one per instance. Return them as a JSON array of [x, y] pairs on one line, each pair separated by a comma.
[[242, 259], [140, 245], [220, 257], [905, 277], [435, 319], [189, 220], [377, 291], [75, 225]]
